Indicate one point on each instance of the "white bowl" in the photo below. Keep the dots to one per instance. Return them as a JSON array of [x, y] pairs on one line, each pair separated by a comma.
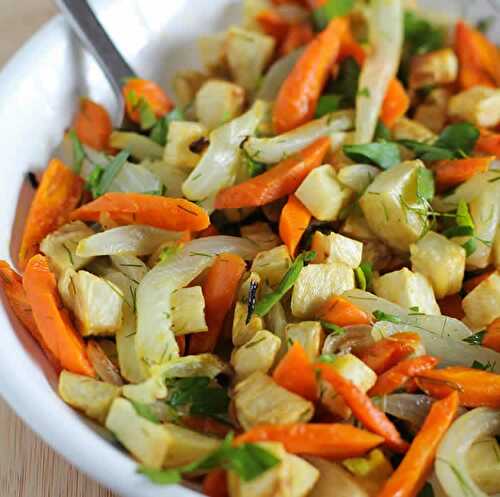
[[39, 90]]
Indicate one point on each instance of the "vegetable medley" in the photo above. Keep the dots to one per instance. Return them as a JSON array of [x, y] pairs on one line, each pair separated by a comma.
[[286, 284]]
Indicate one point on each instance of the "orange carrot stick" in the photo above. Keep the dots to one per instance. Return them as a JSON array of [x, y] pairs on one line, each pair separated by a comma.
[[396, 103], [136, 89], [335, 441], [57, 195], [475, 387], [471, 283], [12, 285], [398, 376], [294, 220], [279, 181], [411, 474], [349, 47], [298, 35], [52, 319], [363, 408], [489, 143], [450, 173], [93, 125], [215, 483], [137, 208], [452, 306], [299, 94], [273, 24], [384, 354], [492, 337], [471, 63], [219, 289], [342, 312], [295, 373]]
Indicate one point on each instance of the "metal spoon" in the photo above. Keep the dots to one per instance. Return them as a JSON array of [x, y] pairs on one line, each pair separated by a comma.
[[89, 30]]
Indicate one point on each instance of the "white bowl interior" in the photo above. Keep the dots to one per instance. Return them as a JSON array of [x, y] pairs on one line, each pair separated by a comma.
[[40, 89]]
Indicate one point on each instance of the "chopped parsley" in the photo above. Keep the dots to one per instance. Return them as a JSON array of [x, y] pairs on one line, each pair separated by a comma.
[[382, 154], [159, 132], [332, 328], [383, 316], [101, 178], [489, 366], [476, 339], [328, 104], [78, 151]]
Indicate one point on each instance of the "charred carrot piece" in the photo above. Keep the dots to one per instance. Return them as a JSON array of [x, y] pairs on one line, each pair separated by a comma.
[[450, 173], [215, 483], [294, 220], [342, 312], [396, 103], [93, 125], [492, 337]]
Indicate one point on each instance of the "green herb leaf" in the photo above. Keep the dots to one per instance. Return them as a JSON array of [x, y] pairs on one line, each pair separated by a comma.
[[427, 491], [460, 138], [159, 132], [161, 476], [327, 358], [329, 10], [425, 184], [101, 178], [327, 104], [383, 154], [254, 168], [346, 83], [265, 304], [147, 117], [383, 316], [145, 411], [382, 132], [364, 92], [476, 339], [489, 366], [360, 278], [366, 268], [427, 152], [78, 152], [458, 231], [332, 328], [485, 24], [463, 217], [470, 246]]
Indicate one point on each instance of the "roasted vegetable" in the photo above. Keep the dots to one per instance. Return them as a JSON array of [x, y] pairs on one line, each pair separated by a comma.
[[337, 248], [188, 311]]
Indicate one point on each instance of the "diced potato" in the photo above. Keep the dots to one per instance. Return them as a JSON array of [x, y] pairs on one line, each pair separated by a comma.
[[483, 463], [390, 204], [337, 248], [276, 321], [186, 446], [408, 129], [243, 331], [148, 442], [251, 9], [407, 289], [258, 399], [141, 147], [258, 354], [479, 105], [441, 261], [181, 135], [304, 476], [212, 49], [272, 264], [322, 193], [98, 305], [356, 226], [316, 284], [309, 334], [147, 392], [218, 102], [356, 371], [434, 68], [482, 305], [248, 55], [186, 84], [66, 288], [379, 255], [261, 234], [92, 397], [60, 247], [188, 311], [172, 177], [192, 365], [357, 177]]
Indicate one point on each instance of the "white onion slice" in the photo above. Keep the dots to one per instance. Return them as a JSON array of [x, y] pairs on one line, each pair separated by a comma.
[[155, 340]]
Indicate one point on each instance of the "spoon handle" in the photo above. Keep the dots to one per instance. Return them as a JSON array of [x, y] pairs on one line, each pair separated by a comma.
[[91, 33]]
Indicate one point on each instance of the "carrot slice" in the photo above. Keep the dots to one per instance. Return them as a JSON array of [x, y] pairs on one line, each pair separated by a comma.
[[475, 387], [363, 408], [450, 173], [52, 319], [295, 373], [396, 103], [342, 312], [412, 473], [298, 34], [349, 47], [384, 354], [57, 195], [93, 125], [336, 441], [219, 289], [398, 376], [488, 143], [136, 89], [273, 24], [137, 208], [473, 68], [299, 94], [215, 483], [12, 285], [492, 337], [279, 181], [294, 220], [452, 306], [471, 283]]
